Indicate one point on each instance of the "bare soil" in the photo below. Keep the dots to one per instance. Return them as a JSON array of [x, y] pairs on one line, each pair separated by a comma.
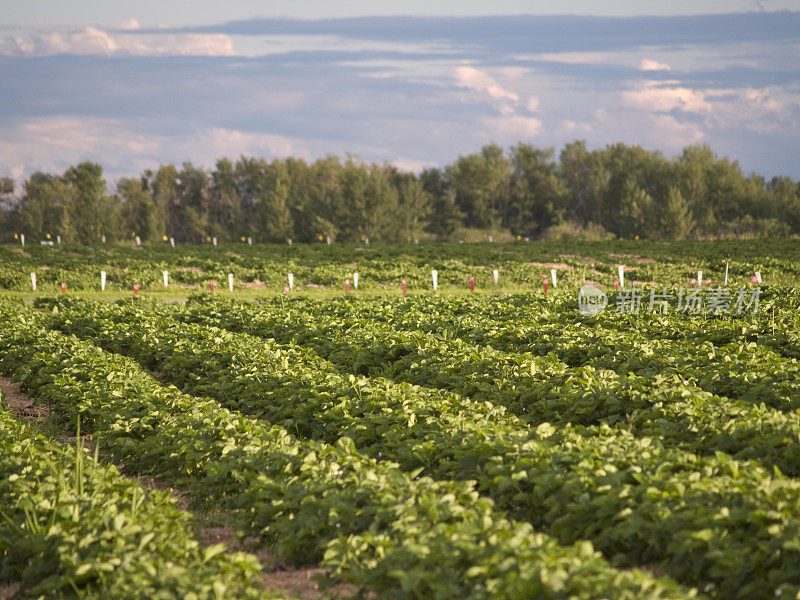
[[21, 405], [7, 590], [549, 265], [299, 583]]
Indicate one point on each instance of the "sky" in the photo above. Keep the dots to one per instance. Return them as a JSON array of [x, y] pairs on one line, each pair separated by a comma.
[[136, 85]]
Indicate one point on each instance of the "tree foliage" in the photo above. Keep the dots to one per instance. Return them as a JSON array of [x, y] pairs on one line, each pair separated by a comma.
[[620, 190]]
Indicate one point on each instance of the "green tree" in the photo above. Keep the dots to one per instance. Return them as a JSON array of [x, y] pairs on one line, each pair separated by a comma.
[[415, 206], [481, 184], [676, 217], [445, 216], [276, 218], [637, 214], [139, 210], [166, 195], [191, 218], [222, 202], [784, 194], [43, 208], [90, 212], [538, 194]]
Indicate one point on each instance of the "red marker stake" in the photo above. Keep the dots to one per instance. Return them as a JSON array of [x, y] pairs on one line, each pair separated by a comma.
[[405, 286], [545, 283], [213, 285], [471, 285], [616, 283], [135, 289], [346, 286], [63, 287]]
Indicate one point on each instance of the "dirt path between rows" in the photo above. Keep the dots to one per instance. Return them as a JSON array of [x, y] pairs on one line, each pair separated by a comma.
[[297, 583], [21, 405], [7, 590]]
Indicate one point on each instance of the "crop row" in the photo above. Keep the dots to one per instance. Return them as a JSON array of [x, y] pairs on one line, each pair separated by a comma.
[[724, 358], [387, 531], [70, 525], [627, 494], [537, 389]]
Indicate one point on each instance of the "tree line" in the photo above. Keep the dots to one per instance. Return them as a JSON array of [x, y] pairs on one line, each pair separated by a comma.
[[618, 191]]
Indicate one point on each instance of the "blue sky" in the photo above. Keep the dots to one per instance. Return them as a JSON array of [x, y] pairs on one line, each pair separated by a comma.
[[132, 87]]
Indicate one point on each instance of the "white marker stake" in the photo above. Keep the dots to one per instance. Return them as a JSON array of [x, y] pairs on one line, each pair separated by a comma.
[[366, 241], [58, 239], [230, 281], [290, 241], [621, 276], [33, 281], [22, 238], [249, 241], [104, 239], [329, 240], [758, 276], [138, 241], [726, 273], [166, 278], [355, 280], [496, 275], [291, 281], [102, 281], [491, 239], [435, 278], [553, 277], [214, 241], [699, 279], [172, 242]]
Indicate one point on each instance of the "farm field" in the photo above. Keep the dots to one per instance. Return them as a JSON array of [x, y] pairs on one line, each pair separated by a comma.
[[500, 444]]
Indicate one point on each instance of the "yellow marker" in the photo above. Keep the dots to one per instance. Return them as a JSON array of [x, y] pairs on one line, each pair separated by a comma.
[[48, 236], [637, 237], [164, 238], [16, 237], [242, 238]]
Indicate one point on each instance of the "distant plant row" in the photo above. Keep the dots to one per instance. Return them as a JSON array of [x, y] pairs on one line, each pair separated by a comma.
[[618, 191]]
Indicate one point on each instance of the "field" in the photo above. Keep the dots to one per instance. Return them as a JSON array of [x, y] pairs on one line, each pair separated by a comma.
[[496, 444]]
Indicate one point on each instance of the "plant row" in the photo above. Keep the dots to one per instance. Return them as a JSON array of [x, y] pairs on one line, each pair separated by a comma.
[[535, 388], [395, 534], [74, 528], [627, 494]]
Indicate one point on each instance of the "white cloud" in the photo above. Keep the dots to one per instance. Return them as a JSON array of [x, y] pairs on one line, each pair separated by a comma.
[[667, 131], [513, 73], [573, 127], [532, 104], [129, 25], [207, 146], [94, 41], [754, 109], [570, 58], [411, 164], [657, 96], [473, 79], [52, 144], [513, 128], [652, 65]]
